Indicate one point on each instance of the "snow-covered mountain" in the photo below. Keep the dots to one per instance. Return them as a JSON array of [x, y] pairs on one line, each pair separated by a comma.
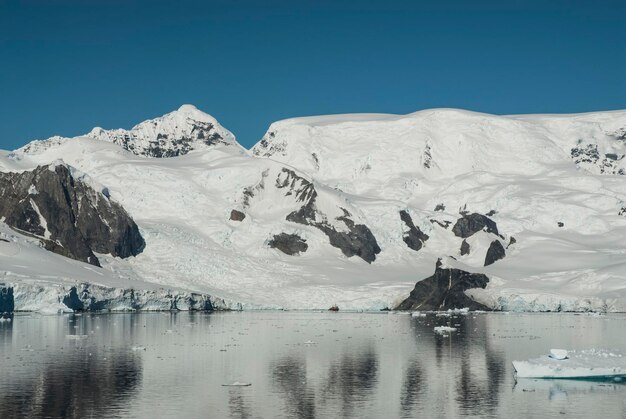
[[355, 209], [174, 134]]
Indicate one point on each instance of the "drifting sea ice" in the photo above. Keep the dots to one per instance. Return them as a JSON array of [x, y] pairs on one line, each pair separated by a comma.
[[444, 329], [591, 363]]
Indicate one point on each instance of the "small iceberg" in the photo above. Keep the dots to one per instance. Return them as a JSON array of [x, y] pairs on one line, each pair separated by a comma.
[[138, 348], [559, 354], [237, 384], [310, 342], [444, 329], [76, 337], [587, 364], [418, 314]]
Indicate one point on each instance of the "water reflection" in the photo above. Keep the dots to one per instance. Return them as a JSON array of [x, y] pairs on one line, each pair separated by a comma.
[[412, 388], [68, 386], [353, 380], [289, 373], [237, 404], [302, 365]]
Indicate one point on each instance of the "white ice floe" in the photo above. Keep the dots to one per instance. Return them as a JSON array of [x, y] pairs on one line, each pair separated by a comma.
[[138, 348], [418, 314], [592, 363], [76, 337], [559, 354], [237, 384], [444, 329]]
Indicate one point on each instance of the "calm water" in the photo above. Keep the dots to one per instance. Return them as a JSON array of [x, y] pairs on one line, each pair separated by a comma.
[[361, 365]]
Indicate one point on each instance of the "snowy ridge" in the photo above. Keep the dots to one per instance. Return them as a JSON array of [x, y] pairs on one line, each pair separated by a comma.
[[353, 210], [173, 134]]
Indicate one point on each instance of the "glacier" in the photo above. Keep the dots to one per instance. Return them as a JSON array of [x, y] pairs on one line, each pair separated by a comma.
[[370, 202]]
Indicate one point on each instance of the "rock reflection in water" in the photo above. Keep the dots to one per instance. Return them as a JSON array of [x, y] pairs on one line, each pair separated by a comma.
[[301, 365], [69, 387], [237, 404], [289, 374], [412, 388], [353, 379]]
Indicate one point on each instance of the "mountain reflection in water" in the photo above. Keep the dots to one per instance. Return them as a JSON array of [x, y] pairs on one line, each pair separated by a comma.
[[301, 365]]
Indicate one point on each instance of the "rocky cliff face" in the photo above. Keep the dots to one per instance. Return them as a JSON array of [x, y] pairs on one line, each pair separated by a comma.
[[444, 290], [353, 239], [67, 215]]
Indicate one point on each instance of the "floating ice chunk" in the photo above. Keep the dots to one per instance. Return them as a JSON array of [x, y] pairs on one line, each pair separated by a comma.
[[310, 342], [463, 311], [558, 354], [592, 363], [138, 348], [444, 329], [76, 337], [418, 314], [237, 384]]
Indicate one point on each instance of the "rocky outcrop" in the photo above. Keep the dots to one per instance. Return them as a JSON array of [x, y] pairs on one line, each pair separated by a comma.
[[67, 215], [494, 253], [588, 157], [236, 215], [7, 302], [414, 237], [358, 240], [445, 290], [470, 224], [465, 248], [290, 244], [171, 135], [512, 241]]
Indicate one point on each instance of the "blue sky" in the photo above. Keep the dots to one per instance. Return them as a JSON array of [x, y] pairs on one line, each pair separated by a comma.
[[66, 66]]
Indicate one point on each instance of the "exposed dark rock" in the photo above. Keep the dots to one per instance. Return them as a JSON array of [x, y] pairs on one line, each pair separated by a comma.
[[67, 215], [560, 224], [512, 241], [470, 224], [414, 238], [465, 248], [237, 215], [316, 160], [444, 224], [251, 191], [7, 301], [440, 207], [494, 253], [290, 244], [357, 241], [588, 154], [163, 145], [613, 156], [491, 213], [427, 157], [622, 211], [444, 290]]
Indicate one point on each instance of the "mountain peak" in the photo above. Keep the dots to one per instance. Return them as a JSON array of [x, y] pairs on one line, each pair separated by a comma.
[[173, 134], [187, 108]]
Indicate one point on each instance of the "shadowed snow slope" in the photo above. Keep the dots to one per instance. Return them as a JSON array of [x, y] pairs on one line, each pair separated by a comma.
[[353, 188]]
